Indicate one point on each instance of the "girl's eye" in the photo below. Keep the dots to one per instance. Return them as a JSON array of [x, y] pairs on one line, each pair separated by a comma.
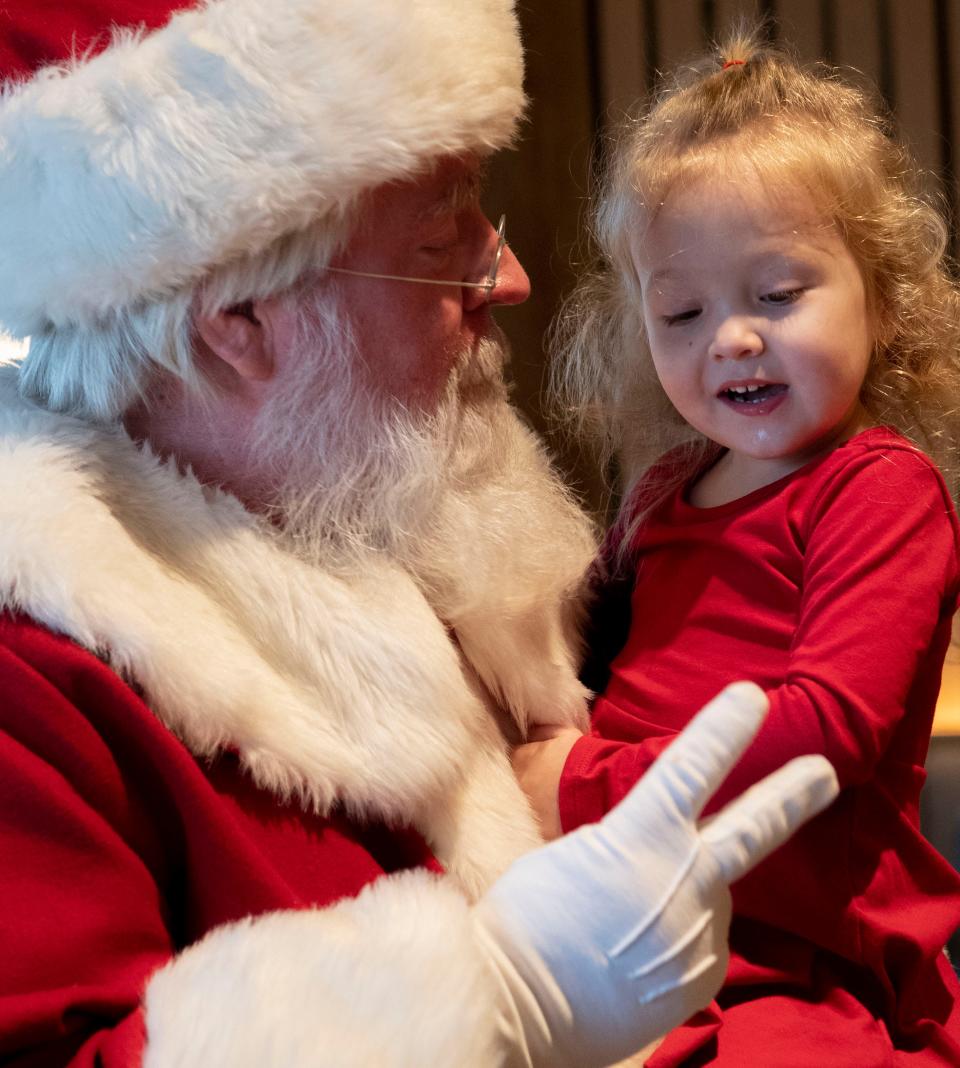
[[783, 296], [681, 317]]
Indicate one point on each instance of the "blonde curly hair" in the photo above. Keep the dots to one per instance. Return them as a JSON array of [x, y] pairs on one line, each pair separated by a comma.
[[802, 129]]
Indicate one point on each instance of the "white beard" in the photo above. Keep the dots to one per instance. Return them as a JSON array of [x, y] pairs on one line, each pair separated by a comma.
[[464, 499]]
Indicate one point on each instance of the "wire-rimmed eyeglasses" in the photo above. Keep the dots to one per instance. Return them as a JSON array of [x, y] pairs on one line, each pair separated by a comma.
[[488, 284]]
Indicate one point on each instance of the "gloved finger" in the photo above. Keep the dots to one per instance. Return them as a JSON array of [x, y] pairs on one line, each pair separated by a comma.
[[691, 768], [753, 825]]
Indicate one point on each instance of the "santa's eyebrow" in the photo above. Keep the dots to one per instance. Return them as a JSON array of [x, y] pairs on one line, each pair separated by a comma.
[[460, 194]]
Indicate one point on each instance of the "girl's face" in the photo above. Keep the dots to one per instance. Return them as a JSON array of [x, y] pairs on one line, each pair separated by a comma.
[[758, 322]]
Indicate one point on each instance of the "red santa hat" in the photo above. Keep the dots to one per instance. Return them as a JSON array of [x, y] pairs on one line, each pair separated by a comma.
[[144, 143]]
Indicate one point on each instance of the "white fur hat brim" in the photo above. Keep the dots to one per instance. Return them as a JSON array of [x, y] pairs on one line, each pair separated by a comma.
[[128, 176]]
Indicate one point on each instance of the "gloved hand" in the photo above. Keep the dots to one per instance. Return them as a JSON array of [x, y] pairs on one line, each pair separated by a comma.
[[609, 937]]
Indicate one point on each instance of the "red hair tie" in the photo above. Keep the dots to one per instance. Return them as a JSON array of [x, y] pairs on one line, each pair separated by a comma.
[[734, 63]]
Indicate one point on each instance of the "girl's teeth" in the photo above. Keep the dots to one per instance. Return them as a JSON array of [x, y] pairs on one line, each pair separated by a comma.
[[755, 394]]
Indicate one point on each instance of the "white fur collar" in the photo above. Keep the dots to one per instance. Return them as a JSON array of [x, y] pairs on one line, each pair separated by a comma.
[[331, 692]]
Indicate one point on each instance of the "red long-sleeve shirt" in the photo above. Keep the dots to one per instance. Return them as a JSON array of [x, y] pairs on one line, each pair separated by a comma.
[[833, 589]]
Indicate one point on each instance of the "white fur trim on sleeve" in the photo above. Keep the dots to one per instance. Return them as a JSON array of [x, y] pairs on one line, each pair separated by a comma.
[[11, 349], [132, 174], [393, 978]]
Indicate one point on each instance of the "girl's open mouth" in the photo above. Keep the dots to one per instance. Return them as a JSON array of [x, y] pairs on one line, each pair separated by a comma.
[[753, 394], [754, 398]]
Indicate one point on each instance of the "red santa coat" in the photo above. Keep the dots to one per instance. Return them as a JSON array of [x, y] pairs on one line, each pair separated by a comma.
[[119, 849], [173, 807]]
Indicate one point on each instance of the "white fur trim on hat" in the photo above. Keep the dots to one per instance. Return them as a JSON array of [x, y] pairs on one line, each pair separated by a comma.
[[132, 174]]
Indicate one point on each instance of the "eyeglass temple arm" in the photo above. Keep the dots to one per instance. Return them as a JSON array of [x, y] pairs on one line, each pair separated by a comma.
[[489, 282]]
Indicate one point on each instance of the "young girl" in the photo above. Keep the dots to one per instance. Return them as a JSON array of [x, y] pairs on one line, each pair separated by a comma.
[[770, 343]]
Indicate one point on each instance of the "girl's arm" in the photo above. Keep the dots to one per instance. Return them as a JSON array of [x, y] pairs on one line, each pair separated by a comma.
[[879, 585]]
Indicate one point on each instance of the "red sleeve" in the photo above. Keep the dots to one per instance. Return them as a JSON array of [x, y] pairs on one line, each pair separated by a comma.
[[599, 772], [81, 924], [879, 583]]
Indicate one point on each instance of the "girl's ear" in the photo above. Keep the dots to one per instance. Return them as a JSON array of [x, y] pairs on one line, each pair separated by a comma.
[[238, 338]]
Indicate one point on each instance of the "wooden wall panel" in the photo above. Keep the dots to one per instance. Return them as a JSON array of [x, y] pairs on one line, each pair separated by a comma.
[[856, 39], [681, 34], [626, 70], [801, 24], [949, 38], [542, 187], [915, 73]]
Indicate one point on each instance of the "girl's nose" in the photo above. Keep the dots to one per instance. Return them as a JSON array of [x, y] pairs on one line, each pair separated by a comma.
[[736, 338]]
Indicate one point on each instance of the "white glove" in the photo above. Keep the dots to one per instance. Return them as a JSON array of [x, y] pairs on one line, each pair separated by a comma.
[[607, 938]]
